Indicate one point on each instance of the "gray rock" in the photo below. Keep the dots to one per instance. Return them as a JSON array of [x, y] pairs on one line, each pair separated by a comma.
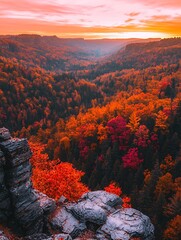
[[62, 237], [89, 211], [64, 221], [21, 192], [4, 134], [102, 198], [124, 224], [62, 200], [19, 174], [25, 204], [20, 159], [47, 204], [2, 236], [14, 147]]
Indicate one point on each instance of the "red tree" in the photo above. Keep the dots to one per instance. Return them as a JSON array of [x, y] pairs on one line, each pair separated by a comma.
[[131, 159]]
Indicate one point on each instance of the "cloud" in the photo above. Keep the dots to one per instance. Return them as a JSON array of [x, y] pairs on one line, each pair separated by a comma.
[[129, 20], [164, 24], [133, 14], [160, 3], [96, 17]]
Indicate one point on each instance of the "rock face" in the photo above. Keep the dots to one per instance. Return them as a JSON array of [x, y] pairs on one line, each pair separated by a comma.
[[35, 215], [4, 197], [17, 197]]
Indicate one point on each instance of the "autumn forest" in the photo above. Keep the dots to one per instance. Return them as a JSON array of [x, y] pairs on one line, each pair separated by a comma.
[[99, 114]]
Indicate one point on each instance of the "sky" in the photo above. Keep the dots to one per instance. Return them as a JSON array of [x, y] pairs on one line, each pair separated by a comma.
[[92, 19]]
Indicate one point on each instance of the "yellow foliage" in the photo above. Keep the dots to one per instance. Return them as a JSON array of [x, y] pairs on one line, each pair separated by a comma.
[[161, 121], [134, 122]]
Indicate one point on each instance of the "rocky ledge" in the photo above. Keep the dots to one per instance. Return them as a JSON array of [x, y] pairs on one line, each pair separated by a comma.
[[34, 216]]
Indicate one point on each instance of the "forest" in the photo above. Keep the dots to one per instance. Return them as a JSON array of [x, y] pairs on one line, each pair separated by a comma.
[[99, 120]]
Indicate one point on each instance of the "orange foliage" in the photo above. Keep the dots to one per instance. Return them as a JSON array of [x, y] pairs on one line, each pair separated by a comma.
[[113, 188], [39, 158], [126, 202], [173, 231], [63, 179], [161, 121], [165, 184], [54, 178], [168, 164]]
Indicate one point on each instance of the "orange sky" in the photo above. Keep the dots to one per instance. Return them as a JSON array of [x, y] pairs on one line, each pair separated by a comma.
[[92, 18]]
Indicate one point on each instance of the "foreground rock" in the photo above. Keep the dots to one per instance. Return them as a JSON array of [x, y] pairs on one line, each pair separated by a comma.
[[89, 211], [94, 206], [46, 237], [107, 201], [124, 224], [2, 236], [63, 221], [47, 204]]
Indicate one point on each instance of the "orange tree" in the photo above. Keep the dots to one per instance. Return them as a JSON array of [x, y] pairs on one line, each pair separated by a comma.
[[55, 178]]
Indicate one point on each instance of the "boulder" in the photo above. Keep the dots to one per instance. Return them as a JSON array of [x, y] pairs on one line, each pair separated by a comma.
[[89, 211], [103, 199], [47, 204], [4, 134], [64, 221], [62, 200], [124, 224]]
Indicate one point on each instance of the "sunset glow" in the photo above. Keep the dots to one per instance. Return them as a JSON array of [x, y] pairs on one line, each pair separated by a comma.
[[92, 18]]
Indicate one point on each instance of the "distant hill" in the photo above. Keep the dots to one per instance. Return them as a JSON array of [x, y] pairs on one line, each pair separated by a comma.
[[53, 53], [141, 55]]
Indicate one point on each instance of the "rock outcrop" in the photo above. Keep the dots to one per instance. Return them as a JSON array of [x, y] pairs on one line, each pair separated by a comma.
[[109, 219], [64, 221], [18, 200], [36, 216]]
